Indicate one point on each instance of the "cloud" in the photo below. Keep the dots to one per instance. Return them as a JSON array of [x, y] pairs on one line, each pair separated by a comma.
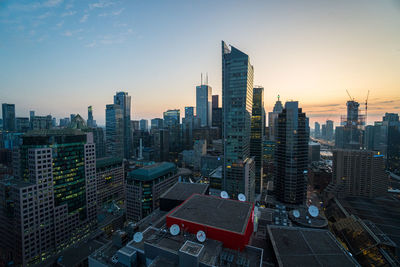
[[101, 4], [69, 33], [91, 45], [84, 18], [118, 12], [52, 3], [69, 13], [45, 15], [60, 24]]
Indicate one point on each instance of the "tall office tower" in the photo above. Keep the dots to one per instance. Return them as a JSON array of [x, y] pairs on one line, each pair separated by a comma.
[[204, 105], [31, 114], [53, 122], [135, 126], [71, 116], [359, 173], [273, 119], [8, 117], [291, 155], [172, 120], [99, 141], [237, 105], [323, 131], [317, 130], [90, 121], [22, 125], [161, 144], [329, 130], [215, 101], [124, 101], [144, 125], [391, 120], [257, 133], [52, 204], [110, 180], [114, 131], [189, 112], [63, 122], [157, 123], [42, 122], [352, 132]]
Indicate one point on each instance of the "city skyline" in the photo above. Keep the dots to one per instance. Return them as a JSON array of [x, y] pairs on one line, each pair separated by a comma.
[[80, 54]]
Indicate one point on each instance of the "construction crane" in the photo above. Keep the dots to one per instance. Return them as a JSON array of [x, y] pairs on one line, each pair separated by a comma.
[[352, 99], [366, 109]]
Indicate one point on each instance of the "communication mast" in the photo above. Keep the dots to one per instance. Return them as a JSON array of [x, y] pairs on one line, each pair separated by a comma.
[[366, 109]]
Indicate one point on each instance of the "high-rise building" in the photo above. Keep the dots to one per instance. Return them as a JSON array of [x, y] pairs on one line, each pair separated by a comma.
[[329, 130], [90, 121], [237, 105], [161, 144], [63, 122], [8, 117], [317, 130], [144, 125], [189, 112], [22, 124], [52, 203], [157, 123], [114, 131], [110, 180], [203, 104], [135, 126], [172, 120], [351, 135], [124, 101], [272, 119], [42, 122], [257, 134], [291, 155], [172, 117], [215, 101], [359, 172]]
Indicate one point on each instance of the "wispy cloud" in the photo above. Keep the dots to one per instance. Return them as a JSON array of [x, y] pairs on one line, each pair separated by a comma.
[[113, 13], [68, 13], [60, 24], [45, 15], [52, 3], [70, 33], [92, 44], [101, 4], [84, 18]]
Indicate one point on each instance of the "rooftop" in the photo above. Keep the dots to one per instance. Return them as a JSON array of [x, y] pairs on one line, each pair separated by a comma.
[[151, 172], [226, 214], [104, 162], [182, 191], [295, 246]]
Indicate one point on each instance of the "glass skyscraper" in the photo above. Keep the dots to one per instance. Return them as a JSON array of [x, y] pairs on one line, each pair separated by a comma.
[[291, 155], [8, 117], [124, 101], [204, 104], [114, 131], [237, 105], [257, 134]]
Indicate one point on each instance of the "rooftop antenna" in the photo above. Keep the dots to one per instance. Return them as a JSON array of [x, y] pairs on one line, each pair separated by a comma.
[[279, 97], [138, 237], [366, 109], [201, 236], [174, 229]]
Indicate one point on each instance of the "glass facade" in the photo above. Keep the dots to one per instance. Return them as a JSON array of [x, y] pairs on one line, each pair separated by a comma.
[[114, 131], [124, 101], [204, 104]]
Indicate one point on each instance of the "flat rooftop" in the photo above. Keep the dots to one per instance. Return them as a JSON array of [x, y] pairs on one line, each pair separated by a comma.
[[182, 191], [384, 212], [226, 214], [296, 246]]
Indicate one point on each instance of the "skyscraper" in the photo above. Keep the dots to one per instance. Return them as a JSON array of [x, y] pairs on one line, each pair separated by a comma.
[[8, 117], [114, 131], [272, 119], [257, 133], [172, 120], [189, 112], [203, 104], [215, 101], [90, 121], [329, 130], [237, 104], [291, 155], [124, 101], [317, 130], [157, 123], [144, 125]]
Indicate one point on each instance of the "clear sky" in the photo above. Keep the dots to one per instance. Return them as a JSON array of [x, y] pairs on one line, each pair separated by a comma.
[[57, 57]]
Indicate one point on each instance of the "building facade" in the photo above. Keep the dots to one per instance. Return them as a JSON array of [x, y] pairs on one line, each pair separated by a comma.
[[114, 131], [124, 101], [204, 104], [8, 113], [109, 180]]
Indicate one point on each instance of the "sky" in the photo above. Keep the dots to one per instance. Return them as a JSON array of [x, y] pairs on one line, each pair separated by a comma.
[[58, 57]]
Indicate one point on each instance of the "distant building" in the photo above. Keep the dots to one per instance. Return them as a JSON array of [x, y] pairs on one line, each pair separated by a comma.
[[63, 122], [109, 180], [291, 155], [314, 152], [350, 136], [189, 112], [329, 130], [90, 121], [359, 173], [237, 104], [124, 101], [114, 131], [215, 101], [144, 125], [8, 117], [135, 126], [161, 145], [317, 130], [203, 104], [273, 117], [42, 122], [157, 123], [257, 134], [22, 124], [144, 187], [172, 120]]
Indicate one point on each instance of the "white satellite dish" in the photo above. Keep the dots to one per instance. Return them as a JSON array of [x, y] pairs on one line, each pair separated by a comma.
[[241, 197], [313, 210], [224, 194], [138, 237], [296, 214], [174, 229], [201, 236]]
